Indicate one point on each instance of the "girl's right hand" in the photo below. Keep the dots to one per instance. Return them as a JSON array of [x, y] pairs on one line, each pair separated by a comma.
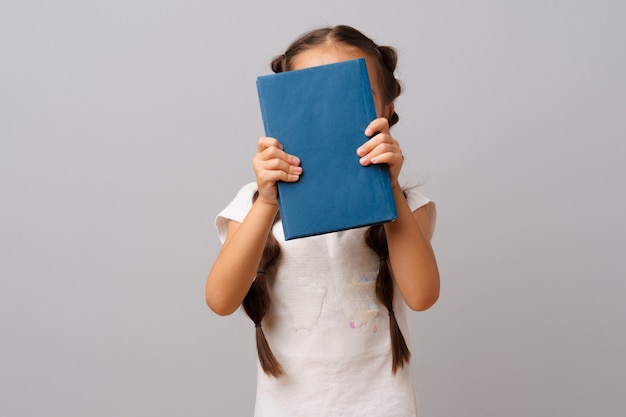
[[271, 164]]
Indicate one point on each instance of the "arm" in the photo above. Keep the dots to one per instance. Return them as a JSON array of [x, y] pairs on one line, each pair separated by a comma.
[[236, 264], [411, 256]]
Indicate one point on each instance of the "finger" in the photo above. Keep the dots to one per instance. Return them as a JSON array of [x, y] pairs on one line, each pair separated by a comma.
[[380, 153], [267, 149], [390, 158], [267, 142], [377, 125], [381, 139], [273, 176], [273, 165], [276, 170], [291, 165]]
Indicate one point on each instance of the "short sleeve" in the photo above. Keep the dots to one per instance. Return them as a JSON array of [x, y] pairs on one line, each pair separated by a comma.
[[416, 199], [237, 210]]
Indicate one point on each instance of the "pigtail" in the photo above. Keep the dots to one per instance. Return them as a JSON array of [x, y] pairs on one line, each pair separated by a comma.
[[279, 63], [257, 304], [388, 58], [376, 239]]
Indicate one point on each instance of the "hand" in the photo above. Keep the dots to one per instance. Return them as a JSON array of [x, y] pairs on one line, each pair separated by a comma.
[[272, 164], [382, 149]]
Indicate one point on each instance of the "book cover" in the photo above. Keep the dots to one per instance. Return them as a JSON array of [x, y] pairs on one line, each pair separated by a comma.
[[320, 114]]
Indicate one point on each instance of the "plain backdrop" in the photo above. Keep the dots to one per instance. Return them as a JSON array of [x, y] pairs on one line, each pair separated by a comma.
[[126, 126]]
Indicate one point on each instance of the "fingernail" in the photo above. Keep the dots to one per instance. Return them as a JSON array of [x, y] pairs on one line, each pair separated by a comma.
[[360, 151]]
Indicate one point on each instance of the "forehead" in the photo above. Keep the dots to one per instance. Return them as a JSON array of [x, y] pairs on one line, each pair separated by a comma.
[[332, 53]]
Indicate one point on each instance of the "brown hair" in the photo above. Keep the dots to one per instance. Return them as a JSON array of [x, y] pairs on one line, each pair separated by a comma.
[[385, 56], [257, 302]]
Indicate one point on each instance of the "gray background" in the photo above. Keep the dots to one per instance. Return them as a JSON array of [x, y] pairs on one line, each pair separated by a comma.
[[126, 126]]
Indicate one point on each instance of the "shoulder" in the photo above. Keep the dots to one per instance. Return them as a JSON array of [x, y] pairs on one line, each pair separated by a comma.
[[246, 192], [423, 209], [416, 199], [236, 210]]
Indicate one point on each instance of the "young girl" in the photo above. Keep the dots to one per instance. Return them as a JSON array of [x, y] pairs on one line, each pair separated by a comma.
[[329, 310]]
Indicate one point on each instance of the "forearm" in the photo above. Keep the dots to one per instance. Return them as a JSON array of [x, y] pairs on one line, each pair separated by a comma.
[[236, 265], [411, 256]]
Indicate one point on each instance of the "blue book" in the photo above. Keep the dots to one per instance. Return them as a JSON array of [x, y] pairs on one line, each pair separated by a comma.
[[319, 114]]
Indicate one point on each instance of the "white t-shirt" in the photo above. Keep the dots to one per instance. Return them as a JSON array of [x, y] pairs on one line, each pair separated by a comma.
[[326, 327]]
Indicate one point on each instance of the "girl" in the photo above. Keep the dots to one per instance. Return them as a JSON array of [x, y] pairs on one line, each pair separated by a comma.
[[329, 310]]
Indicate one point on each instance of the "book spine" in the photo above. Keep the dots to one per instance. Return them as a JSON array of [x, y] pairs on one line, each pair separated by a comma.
[[259, 86], [384, 182], [268, 132]]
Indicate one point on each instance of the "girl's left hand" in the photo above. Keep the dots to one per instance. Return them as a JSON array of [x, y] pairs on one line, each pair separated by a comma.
[[382, 148]]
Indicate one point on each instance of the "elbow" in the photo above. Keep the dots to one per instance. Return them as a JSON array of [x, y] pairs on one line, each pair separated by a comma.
[[424, 296], [217, 301], [218, 305], [221, 309], [424, 301], [221, 312]]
